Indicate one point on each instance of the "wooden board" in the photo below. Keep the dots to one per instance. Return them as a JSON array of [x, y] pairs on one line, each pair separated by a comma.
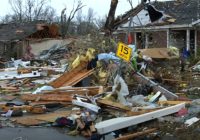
[[72, 77], [91, 91], [47, 97], [173, 102], [49, 102], [113, 104]]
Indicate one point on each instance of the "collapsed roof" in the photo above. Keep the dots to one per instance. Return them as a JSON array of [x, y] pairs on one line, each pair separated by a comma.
[[19, 31], [174, 12]]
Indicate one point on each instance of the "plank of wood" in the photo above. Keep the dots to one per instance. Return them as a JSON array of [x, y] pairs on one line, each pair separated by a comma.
[[9, 88], [72, 77], [11, 91], [113, 104], [47, 97], [91, 91], [67, 92], [80, 76], [23, 107], [173, 102], [8, 97], [137, 134], [49, 102]]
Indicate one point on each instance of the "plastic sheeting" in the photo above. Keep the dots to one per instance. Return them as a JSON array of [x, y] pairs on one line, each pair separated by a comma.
[[123, 91], [38, 90]]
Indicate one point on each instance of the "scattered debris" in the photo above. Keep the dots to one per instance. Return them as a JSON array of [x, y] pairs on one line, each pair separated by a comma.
[[93, 93], [191, 121]]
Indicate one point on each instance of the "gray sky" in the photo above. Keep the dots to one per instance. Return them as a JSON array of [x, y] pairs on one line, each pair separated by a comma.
[[100, 7]]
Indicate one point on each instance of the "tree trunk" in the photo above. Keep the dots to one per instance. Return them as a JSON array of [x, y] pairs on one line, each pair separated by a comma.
[[111, 17]]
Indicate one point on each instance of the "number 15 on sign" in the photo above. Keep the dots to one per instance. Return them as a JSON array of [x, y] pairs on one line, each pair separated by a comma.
[[123, 51]]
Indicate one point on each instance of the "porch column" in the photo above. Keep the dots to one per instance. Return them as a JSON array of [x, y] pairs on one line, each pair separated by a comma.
[[195, 43], [146, 40], [188, 39], [168, 38], [135, 38]]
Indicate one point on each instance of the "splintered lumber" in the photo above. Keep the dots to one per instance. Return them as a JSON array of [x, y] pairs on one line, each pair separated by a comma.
[[113, 104], [91, 91], [173, 102], [79, 76], [123, 122], [66, 92], [8, 97], [47, 97], [125, 17], [23, 107], [137, 134], [39, 109], [9, 88], [72, 77], [49, 103], [156, 87]]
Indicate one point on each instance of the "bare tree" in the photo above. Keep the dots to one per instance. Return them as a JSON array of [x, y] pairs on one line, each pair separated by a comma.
[[6, 19], [90, 19], [100, 22], [39, 8], [86, 25], [80, 21], [79, 16], [66, 23], [49, 14], [29, 10], [131, 3], [74, 10], [111, 17], [63, 22], [90, 15], [17, 7]]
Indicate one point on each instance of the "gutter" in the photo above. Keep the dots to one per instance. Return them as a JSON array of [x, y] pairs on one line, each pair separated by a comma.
[[165, 27]]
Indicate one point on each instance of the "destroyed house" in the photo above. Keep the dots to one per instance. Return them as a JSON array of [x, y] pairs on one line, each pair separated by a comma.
[[15, 37], [179, 25]]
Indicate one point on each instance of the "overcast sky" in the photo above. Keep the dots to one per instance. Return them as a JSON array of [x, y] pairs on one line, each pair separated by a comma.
[[100, 7]]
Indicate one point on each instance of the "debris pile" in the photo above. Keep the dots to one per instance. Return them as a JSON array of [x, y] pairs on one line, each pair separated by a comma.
[[95, 93]]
